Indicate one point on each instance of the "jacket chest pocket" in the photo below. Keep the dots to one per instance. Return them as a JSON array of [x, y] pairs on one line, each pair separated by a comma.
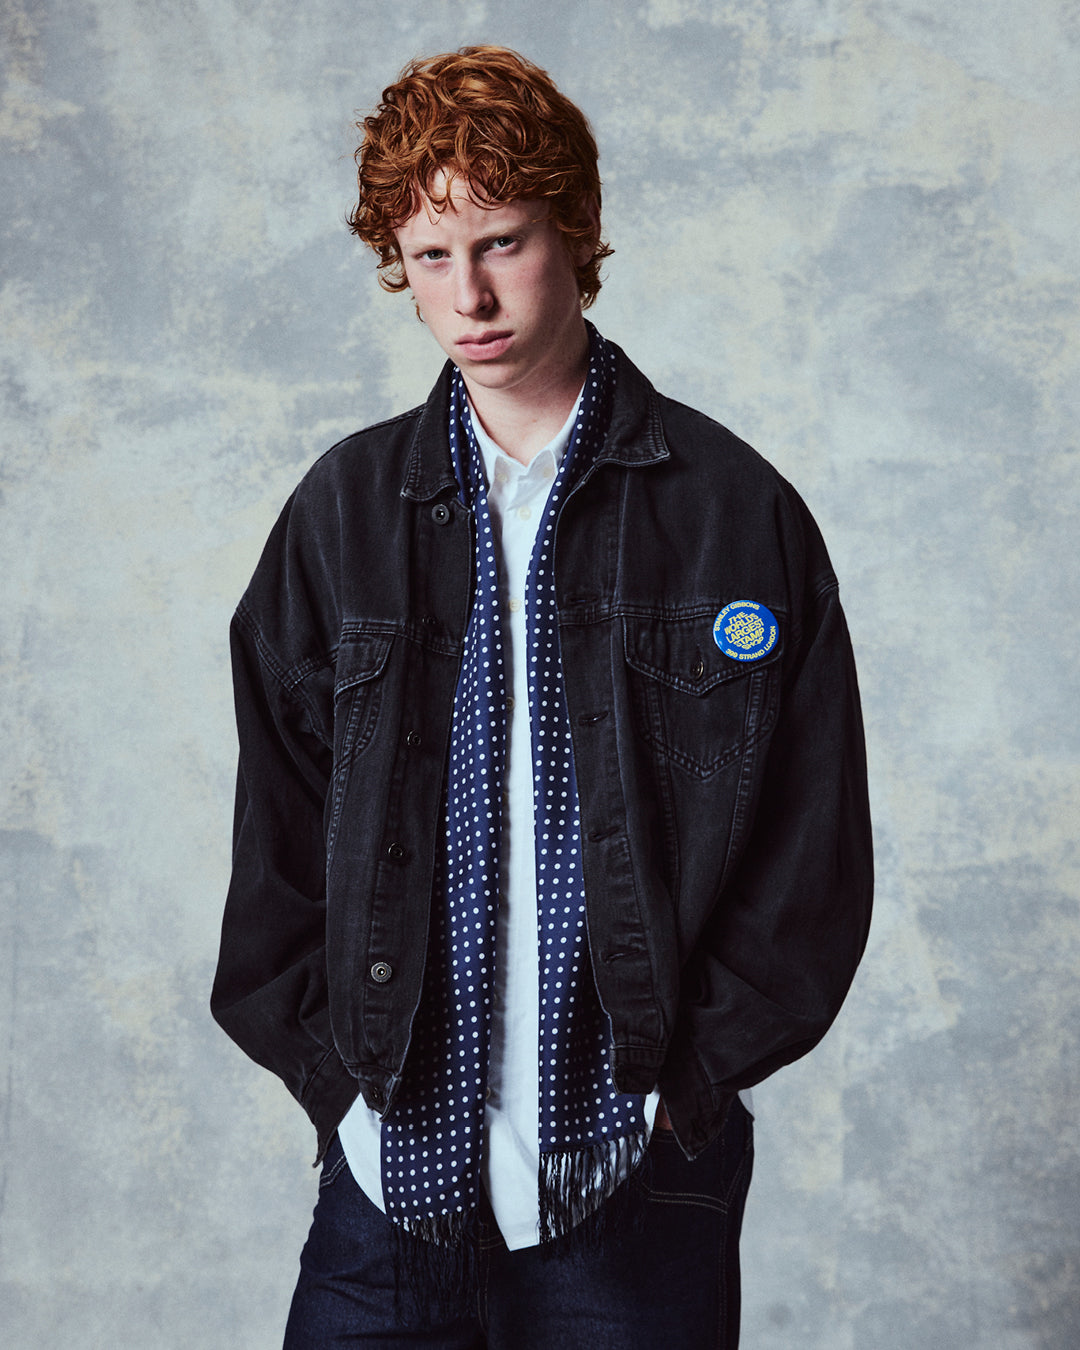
[[697, 707], [361, 660]]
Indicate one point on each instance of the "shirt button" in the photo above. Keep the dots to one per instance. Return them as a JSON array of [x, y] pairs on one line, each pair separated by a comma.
[[510, 703], [523, 513], [381, 972], [515, 605]]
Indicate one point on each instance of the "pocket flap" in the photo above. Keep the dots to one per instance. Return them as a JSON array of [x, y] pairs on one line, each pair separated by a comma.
[[682, 653], [360, 657]]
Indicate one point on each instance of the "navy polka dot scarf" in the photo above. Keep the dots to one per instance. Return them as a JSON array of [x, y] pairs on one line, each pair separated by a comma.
[[432, 1136]]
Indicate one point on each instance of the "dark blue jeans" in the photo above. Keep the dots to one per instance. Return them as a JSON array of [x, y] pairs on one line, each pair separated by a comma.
[[666, 1276]]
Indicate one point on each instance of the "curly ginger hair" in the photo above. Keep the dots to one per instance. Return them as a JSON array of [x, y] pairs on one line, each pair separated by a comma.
[[495, 120]]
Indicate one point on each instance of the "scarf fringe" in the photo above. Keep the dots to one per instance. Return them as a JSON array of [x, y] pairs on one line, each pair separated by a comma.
[[436, 1257], [579, 1198], [435, 1267]]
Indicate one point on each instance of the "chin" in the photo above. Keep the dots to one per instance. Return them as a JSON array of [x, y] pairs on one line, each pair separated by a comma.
[[491, 376]]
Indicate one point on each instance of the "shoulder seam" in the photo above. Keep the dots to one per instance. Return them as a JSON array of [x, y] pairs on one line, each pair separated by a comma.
[[292, 687], [364, 431], [245, 617]]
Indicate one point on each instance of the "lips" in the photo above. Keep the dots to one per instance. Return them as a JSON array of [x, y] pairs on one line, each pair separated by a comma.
[[485, 346]]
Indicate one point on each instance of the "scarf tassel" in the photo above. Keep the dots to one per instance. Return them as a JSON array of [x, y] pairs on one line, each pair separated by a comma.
[[435, 1267], [579, 1197]]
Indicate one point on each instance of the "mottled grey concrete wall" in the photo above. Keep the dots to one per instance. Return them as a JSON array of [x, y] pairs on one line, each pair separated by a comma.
[[846, 228]]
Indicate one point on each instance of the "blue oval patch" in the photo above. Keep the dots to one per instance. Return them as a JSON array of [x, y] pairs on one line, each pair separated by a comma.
[[745, 630]]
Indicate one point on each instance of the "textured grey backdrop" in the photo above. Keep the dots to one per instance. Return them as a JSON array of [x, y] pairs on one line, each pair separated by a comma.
[[846, 228]]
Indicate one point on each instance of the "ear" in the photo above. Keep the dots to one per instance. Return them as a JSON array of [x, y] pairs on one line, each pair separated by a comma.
[[590, 214]]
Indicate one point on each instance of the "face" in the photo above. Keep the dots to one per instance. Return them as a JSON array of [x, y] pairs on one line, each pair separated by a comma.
[[496, 287]]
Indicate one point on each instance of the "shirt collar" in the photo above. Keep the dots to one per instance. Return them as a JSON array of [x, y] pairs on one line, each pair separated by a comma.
[[510, 478], [635, 437]]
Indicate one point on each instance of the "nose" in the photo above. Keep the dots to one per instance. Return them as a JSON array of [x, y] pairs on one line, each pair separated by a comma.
[[472, 290]]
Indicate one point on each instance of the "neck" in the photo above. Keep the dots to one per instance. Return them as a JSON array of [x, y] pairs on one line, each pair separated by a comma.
[[522, 421]]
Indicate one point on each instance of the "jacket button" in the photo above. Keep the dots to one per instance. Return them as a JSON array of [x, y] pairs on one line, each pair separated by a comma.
[[440, 513], [413, 739], [395, 851], [381, 972], [699, 669]]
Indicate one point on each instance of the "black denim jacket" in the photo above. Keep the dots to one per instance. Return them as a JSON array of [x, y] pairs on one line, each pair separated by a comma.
[[725, 825]]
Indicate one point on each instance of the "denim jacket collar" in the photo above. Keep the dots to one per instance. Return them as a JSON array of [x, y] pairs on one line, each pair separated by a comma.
[[635, 437]]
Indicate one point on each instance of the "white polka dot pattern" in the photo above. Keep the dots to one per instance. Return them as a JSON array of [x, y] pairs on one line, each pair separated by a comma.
[[432, 1137]]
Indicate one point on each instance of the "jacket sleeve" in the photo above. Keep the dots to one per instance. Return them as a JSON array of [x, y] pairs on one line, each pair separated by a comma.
[[778, 954], [270, 990]]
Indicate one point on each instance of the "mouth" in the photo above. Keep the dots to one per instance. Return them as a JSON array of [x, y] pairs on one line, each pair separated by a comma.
[[485, 345]]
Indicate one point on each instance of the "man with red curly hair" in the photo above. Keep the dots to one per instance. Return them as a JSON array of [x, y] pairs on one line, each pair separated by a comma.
[[551, 834]]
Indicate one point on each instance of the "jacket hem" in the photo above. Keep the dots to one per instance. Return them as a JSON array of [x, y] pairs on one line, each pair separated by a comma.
[[326, 1097]]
